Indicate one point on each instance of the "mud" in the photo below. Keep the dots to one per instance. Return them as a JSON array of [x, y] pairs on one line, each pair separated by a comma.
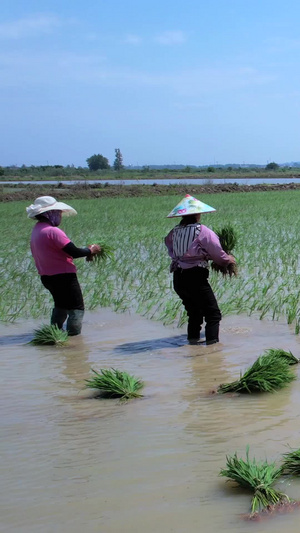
[[10, 193]]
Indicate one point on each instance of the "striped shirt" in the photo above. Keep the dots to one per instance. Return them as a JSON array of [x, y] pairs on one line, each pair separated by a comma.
[[194, 245], [183, 236]]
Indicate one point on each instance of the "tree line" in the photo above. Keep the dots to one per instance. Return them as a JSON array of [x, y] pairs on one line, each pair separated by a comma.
[[99, 162]]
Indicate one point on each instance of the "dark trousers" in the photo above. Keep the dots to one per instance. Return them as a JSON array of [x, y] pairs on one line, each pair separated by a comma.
[[200, 303], [68, 301], [65, 290]]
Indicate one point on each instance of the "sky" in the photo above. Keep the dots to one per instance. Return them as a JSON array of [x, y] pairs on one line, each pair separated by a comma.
[[189, 82]]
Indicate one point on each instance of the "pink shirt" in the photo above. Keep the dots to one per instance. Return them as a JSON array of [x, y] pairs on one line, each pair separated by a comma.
[[206, 246], [46, 246]]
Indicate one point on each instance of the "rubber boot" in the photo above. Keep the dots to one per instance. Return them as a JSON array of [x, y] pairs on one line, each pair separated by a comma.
[[58, 317], [74, 322]]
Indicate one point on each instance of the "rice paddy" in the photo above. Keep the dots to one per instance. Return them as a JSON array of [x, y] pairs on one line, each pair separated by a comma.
[[137, 276]]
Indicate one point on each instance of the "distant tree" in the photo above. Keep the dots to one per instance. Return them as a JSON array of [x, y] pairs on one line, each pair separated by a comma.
[[97, 162], [272, 166], [211, 169], [118, 162], [1, 171]]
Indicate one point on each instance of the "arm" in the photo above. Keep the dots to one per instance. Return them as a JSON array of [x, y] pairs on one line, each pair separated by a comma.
[[169, 243], [75, 252]]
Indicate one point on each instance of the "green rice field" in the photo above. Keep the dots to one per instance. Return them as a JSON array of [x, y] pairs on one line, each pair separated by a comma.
[[137, 278]]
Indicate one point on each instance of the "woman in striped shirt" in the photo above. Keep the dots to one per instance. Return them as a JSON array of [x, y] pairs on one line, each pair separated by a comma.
[[191, 245]]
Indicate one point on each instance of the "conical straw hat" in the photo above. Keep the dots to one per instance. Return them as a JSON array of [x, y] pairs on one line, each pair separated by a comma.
[[190, 206]]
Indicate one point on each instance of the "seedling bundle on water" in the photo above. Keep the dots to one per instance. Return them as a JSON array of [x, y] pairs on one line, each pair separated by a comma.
[[291, 463], [258, 477], [228, 240], [115, 383], [288, 357], [267, 374], [49, 335]]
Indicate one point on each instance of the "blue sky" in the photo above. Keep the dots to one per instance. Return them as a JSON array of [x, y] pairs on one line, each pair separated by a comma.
[[185, 82]]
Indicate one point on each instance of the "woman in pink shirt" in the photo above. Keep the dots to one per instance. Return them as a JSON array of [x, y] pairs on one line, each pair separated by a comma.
[[191, 245], [53, 253]]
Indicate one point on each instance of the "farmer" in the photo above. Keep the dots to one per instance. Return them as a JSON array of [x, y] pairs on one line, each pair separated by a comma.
[[53, 253], [191, 245]]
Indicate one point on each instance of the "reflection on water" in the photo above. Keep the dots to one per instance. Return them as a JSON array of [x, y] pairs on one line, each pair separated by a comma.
[[74, 463]]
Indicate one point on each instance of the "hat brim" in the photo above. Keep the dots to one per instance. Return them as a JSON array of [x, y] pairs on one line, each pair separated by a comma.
[[171, 215], [58, 206]]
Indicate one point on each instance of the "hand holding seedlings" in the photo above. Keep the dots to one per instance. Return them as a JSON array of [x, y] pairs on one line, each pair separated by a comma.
[[100, 252], [95, 249]]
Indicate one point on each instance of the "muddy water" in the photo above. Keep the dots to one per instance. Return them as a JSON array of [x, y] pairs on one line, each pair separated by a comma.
[[74, 463]]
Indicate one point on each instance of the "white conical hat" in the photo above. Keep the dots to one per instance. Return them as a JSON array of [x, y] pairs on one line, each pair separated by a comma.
[[190, 206]]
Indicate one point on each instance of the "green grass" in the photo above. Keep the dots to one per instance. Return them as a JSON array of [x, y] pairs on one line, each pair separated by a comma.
[[49, 335], [267, 374], [258, 477], [115, 384]]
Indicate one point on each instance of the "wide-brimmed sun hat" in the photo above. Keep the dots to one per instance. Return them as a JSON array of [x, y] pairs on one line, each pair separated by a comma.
[[190, 206], [48, 203]]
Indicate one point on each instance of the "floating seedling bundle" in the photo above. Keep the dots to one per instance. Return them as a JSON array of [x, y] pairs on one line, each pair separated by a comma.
[[115, 384], [228, 240], [257, 477], [49, 335], [291, 463], [278, 353], [267, 374]]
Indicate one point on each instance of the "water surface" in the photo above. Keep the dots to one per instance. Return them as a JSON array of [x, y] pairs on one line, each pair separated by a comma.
[[72, 463]]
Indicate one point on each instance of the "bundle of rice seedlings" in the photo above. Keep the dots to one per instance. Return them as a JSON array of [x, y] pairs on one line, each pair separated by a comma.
[[288, 357], [291, 463], [115, 383], [257, 477], [265, 375], [228, 240], [106, 252], [49, 335]]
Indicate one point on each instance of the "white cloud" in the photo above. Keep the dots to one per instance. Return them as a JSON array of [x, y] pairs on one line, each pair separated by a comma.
[[170, 38], [29, 26], [133, 39], [20, 68]]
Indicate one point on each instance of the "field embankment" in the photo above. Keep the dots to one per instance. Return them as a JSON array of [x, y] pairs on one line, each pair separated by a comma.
[[10, 193]]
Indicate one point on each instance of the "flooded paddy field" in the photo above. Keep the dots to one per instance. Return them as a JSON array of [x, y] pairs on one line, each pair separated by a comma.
[[72, 462]]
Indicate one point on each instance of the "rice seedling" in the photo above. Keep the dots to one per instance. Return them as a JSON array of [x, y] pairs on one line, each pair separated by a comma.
[[288, 357], [228, 240], [257, 477], [265, 375], [49, 335], [115, 383], [106, 252], [291, 463], [141, 266]]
